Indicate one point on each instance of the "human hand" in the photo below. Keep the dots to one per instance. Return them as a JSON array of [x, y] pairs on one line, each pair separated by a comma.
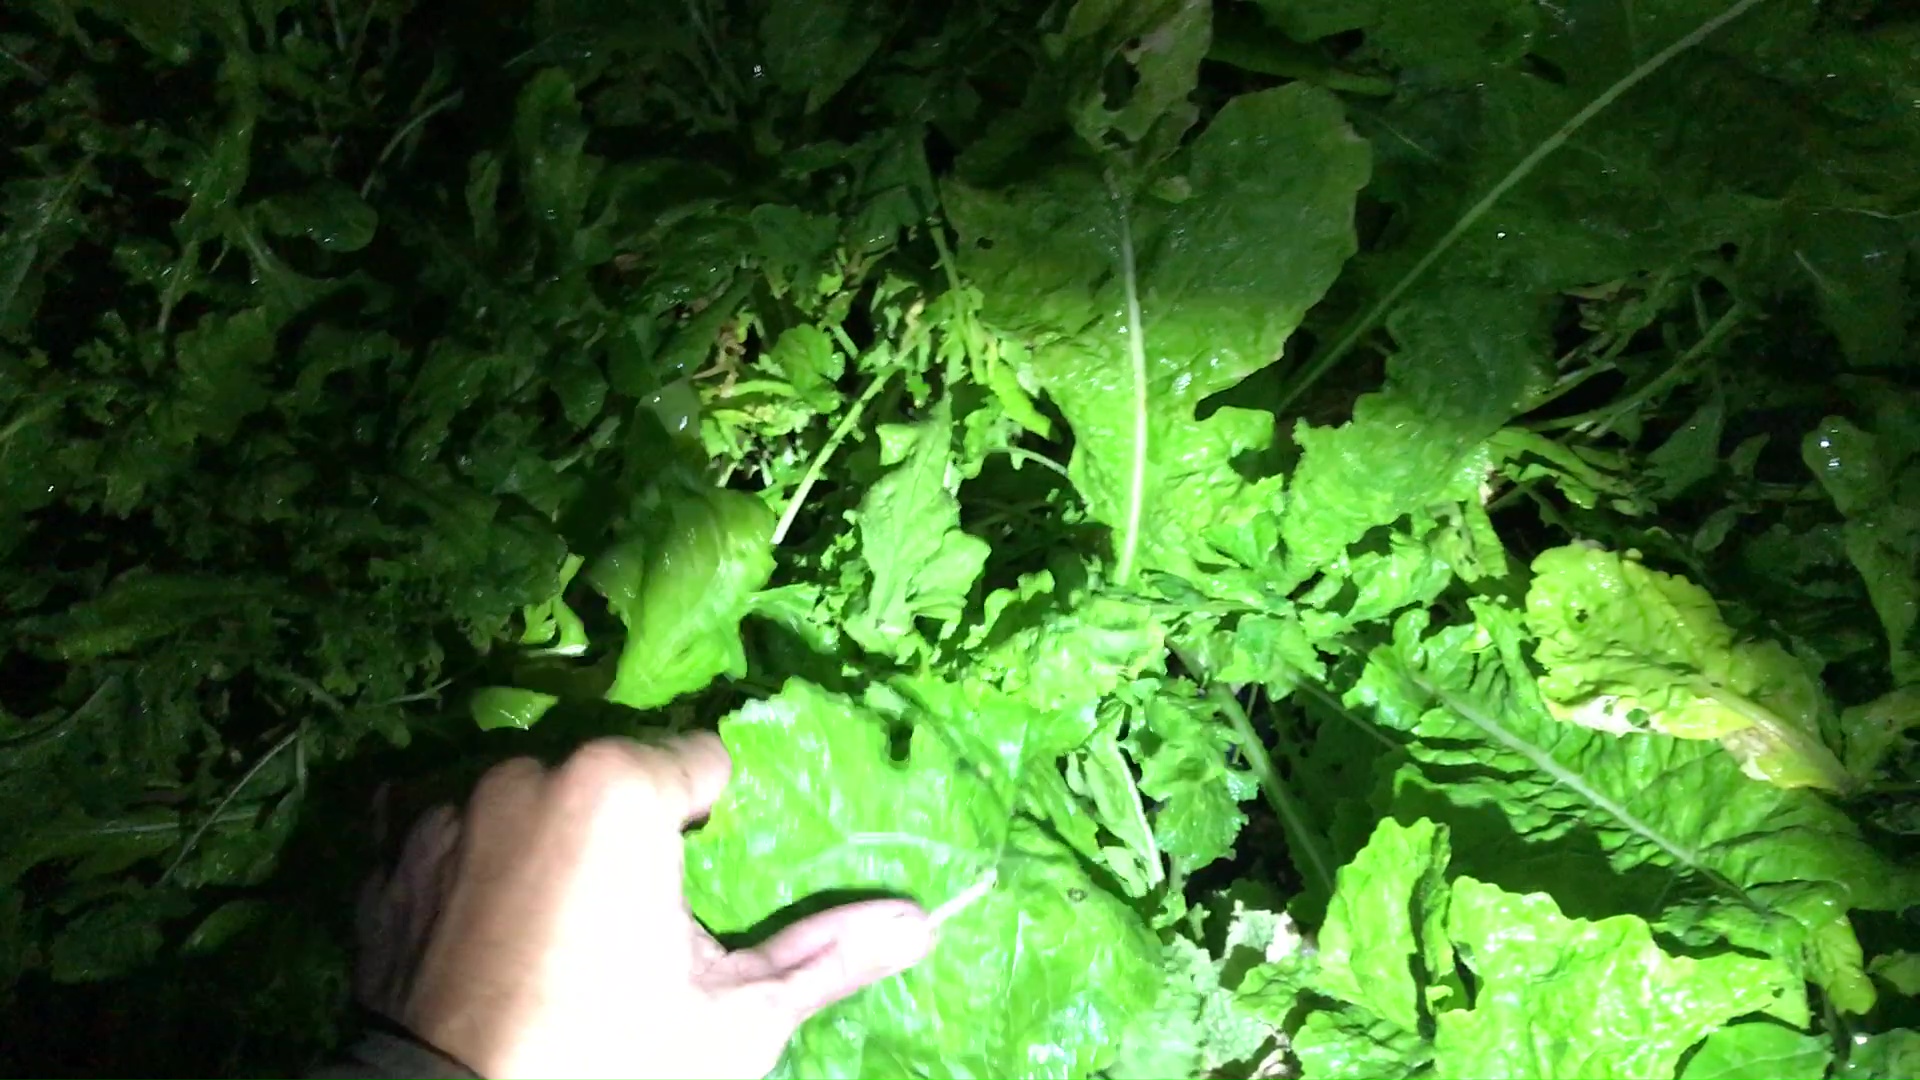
[[552, 937]]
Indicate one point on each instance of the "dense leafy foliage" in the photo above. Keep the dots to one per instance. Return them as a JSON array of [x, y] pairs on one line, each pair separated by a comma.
[[1347, 538]]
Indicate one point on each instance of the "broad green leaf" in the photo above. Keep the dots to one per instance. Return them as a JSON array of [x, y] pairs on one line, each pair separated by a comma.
[[923, 564], [681, 588], [1136, 309], [1351, 1044], [1386, 920], [1877, 488], [329, 214], [1743, 1051], [1467, 362], [1161, 43], [813, 47], [1432, 42], [1901, 970], [1037, 978], [1545, 983], [1065, 661], [1890, 1055], [556, 173], [1628, 649], [1605, 821]]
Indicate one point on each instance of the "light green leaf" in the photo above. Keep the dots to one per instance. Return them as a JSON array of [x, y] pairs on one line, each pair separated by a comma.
[[1545, 983], [1900, 970], [1066, 661], [1468, 360], [923, 564], [1160, 41], [510, 707], [1605, 822], [1388, 910], [1136, 309], [681, 588], [1890, 1055], [1350, 1044], [1037, 978], [1744, 1051], [1185, 756], [1628, 649]]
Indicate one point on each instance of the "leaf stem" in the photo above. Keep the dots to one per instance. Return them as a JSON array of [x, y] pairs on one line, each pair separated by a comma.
[[1271, 785], [245, 778], [407, 129], [812, 475], [1325, 362], [1137, 354], [1666, 380]]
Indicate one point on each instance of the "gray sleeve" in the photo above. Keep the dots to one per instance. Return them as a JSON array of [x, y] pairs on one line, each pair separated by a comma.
[[381, 1055]]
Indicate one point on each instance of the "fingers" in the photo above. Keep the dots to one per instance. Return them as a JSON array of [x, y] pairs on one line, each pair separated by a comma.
[[675, 781], [829, 956]]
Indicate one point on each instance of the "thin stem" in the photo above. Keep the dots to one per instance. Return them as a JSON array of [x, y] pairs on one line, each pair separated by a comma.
[[32, 72], [1611, 413], [194, 840], [1022, 454], [407, 129], [812, 475], [1137, 354], [1271, 785], [1520, 172]]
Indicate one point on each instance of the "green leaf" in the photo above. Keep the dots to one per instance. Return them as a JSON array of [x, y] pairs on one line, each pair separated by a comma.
[[1877, 488], [1628, 649], [1065, 661], [1741, 1051], [1351, 1044], [1545, 983], [1136, 309], [1889, 1055], [221, 381], [1184, 752], [330, 214], [556, 173], [815, 48], [923, 564], [1605, 821], [140, 607], [1073, 962], [1900, 970], [681, 588], [1160, 42], [1387, 915], [510, 707], [1467, 362], [1433, 42]]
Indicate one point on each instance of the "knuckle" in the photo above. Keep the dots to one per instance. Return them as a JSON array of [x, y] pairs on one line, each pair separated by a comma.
[[507, 779], [607, 766]]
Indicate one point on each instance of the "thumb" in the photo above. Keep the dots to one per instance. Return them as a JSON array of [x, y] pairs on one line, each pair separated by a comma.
[[826, 957]]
